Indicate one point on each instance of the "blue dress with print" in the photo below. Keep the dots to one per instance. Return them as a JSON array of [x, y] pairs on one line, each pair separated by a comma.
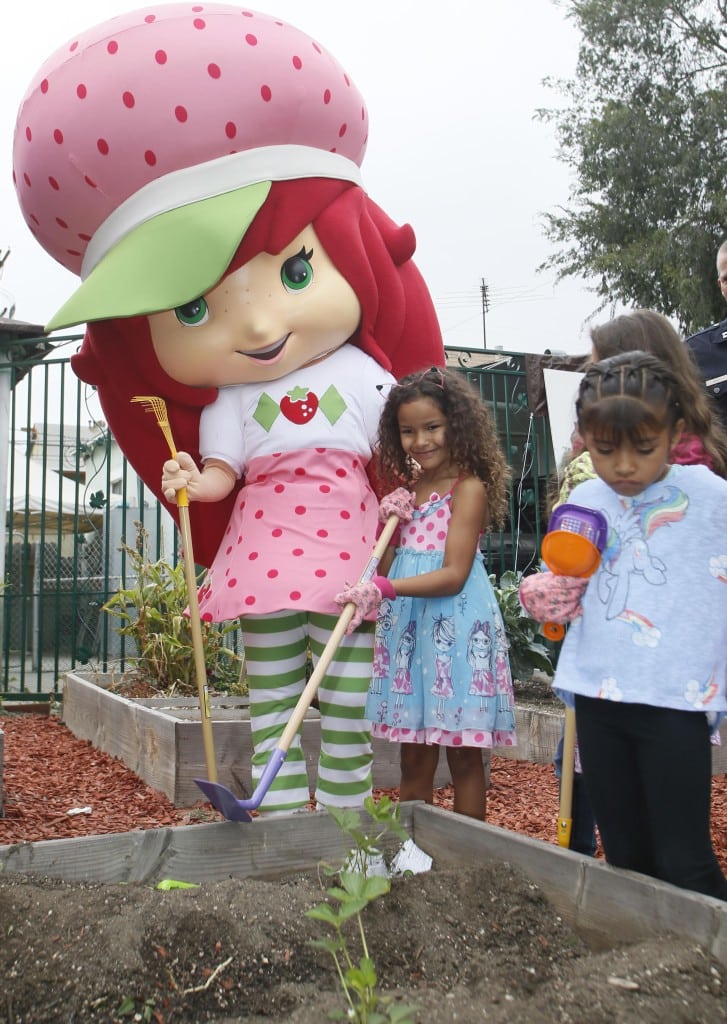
[[441, 672]]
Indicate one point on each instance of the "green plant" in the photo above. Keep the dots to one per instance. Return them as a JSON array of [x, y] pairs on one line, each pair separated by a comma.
[[140, 1009], [151, 611], [526, 652], [358, 889]]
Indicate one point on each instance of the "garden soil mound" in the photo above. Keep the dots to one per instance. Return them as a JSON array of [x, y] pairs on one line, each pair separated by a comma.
[[464, 945]]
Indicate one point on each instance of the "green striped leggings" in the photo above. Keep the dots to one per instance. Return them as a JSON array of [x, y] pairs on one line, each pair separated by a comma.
[[276, 647]]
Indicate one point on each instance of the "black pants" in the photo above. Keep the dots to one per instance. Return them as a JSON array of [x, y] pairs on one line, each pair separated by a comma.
[[648, 775]]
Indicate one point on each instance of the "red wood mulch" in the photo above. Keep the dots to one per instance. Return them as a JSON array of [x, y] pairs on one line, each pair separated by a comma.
[[56, 786]]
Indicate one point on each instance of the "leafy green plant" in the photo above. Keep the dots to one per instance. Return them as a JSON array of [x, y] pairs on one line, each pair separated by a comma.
[[527, 650], [139, 1009], [356, 890], [151, 612]]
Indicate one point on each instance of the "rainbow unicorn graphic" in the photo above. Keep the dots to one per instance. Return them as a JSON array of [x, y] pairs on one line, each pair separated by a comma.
[[627, 550]]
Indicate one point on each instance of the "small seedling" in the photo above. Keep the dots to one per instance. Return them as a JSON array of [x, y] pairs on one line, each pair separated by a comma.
[[356, 890], [139, 1009]]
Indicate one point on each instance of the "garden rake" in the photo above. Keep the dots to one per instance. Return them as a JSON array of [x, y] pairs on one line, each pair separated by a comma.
[[158, 406], [222, 798]]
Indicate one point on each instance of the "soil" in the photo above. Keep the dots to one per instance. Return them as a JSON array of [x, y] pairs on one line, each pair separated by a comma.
[[537, 692], [463, 945]]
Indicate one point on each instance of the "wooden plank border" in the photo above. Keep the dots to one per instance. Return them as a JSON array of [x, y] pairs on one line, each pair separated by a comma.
[[603, 904]]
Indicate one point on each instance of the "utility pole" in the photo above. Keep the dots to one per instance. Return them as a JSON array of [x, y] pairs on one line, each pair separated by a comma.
[[485, 309], [6, 311]]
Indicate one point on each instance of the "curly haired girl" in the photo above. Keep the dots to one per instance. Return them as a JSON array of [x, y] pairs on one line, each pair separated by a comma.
[[437, 437]]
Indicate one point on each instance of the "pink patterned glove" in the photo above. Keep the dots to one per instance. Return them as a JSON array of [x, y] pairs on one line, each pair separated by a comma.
[[550, 598], [399, 503], [367, 597]]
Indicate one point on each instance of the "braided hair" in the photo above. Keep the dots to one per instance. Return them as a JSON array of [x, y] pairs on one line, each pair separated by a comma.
[[649, 331], [628, 396]]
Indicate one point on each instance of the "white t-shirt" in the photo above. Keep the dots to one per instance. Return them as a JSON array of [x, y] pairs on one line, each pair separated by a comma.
[[331, 404]]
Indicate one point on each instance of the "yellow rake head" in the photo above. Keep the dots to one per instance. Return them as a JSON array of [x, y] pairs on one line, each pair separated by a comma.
[[152, 403]]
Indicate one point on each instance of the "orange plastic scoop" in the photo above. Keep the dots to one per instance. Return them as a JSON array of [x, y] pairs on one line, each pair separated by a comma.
[[569, 554], [572, 547]]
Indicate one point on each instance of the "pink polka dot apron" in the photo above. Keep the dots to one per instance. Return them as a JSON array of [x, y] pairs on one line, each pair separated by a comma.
[[442, 675], [298, 551]]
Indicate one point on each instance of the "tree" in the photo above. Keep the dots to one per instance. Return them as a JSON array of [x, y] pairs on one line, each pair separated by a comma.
[[644, 129]]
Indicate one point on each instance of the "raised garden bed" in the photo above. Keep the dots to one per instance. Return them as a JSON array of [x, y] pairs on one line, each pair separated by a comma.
[[160, 738], [605, 905], [443, 940]]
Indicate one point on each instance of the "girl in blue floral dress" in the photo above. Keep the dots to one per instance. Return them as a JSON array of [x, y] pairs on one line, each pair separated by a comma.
[[441, 675]]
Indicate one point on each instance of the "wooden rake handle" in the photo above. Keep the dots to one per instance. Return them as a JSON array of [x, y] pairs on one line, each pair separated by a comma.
[[158, 407], [565, 810]]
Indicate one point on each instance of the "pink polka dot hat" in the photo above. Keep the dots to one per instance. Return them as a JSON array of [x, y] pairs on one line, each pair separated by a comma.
[[149, 142]]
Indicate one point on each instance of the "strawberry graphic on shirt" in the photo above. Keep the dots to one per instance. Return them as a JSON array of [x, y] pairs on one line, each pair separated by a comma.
[[299, 405]]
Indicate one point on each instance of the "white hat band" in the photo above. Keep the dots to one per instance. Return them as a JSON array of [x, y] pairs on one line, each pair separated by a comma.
[[225, 174]]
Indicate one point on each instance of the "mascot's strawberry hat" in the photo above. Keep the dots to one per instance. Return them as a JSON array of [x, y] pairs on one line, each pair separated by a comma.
[[160, 148]]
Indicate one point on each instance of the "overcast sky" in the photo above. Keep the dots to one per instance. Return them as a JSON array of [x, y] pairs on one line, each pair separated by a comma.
[[454, 149]]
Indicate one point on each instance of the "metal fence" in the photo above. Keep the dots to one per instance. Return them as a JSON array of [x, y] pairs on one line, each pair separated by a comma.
[[73, 503]]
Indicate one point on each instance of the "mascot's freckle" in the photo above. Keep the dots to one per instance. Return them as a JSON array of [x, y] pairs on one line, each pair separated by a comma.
[[198, 166]]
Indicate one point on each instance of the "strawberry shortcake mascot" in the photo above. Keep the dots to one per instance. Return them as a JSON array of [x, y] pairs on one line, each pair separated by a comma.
[[198, 166]]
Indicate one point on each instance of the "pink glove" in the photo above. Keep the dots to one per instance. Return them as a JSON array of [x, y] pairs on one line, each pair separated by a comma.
[[399, 503], [550, 598], [367, 597]]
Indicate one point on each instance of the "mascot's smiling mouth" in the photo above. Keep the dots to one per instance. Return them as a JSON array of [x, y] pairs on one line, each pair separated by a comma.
[[266, 355]]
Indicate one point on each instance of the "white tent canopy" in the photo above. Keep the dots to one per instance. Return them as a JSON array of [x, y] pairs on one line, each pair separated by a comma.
[[38, 493]]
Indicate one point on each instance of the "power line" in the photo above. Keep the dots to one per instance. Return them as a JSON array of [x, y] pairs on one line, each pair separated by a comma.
[[496, 296]]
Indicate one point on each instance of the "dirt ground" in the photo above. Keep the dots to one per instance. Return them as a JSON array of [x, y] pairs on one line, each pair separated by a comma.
[[462, 945]]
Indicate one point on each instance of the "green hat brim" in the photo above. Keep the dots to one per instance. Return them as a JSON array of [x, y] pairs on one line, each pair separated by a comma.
[[166, 261]]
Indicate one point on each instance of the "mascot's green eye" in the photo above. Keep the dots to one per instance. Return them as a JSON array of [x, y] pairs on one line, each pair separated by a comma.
[[191, 314], [297, 271]]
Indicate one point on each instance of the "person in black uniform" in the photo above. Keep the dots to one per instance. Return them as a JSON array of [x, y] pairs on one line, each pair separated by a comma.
[[709, 347]]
